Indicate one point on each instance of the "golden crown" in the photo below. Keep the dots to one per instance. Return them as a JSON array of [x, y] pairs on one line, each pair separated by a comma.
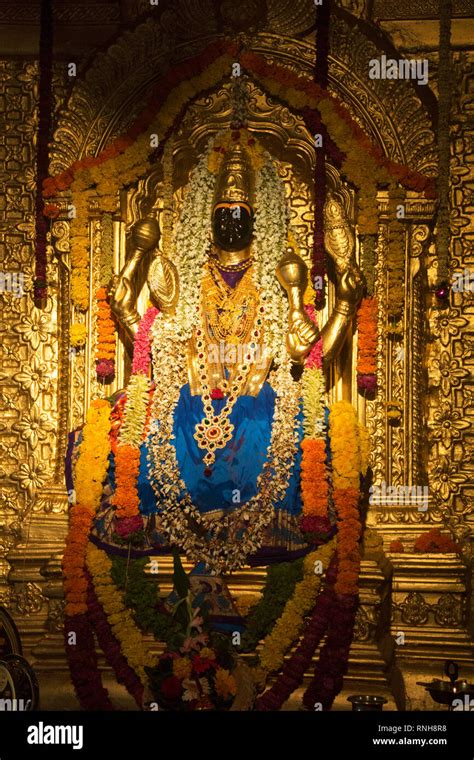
[[235, 181]]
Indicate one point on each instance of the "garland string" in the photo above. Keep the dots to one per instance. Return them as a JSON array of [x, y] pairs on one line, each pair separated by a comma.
[[444, 108], [42, 155], [319, 267]]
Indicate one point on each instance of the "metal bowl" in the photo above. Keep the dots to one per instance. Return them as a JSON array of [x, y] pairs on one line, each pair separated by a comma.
[[367, 702], [444, 692]]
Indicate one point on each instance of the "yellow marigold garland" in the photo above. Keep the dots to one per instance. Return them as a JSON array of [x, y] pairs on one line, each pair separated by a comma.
[[91, 470], [395, 255], [77, 335], [345, 448], [119, 616], [346, 469]]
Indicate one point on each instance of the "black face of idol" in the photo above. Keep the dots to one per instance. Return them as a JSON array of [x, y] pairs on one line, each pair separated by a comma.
[[232, 227]]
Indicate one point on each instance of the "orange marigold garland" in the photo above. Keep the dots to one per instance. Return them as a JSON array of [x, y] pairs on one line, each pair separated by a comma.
[[314, 483], [127, 465], [314, 473], [127, 451], [367, 316], [106, 338]]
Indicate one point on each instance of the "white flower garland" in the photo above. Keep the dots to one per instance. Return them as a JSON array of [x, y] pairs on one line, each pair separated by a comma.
[[313, 386], [270, 240], [219, 543], [135, 411], [192, 243]]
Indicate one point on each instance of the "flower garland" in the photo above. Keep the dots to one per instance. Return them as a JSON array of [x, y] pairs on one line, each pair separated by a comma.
[[77, 335], [142, 597], [314, 479], [118, 615], [367, 319], [127, 452], [346, 468], [106, 338], [141, 345], [333, 659], [83, 664], [445, 88], [280, 583], [127, 466], [395, 256], [314, 474], [127, 157], [174, 88], [295, 667], [80, 254], [300, 92], [167, 213], [91, 469], [321, 71], [223, 549], [270, 236], [368, 244], [191, 243], [111, 647], [289, 625], [42, 147], [435, 541]]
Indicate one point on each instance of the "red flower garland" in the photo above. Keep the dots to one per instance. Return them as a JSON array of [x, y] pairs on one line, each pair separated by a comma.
[[178, 73], [346, 501], [83, 665], [319, 267], [42, 155], [412, 180], [333, 659], [257, 65], [295, 667]]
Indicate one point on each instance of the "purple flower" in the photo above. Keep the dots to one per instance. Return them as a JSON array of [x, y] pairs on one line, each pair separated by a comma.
[[125, 526], [315, 524], [105, 368], [367, 383]]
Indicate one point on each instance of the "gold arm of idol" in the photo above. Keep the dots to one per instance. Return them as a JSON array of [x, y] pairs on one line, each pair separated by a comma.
[[339, 243], [127, 285]]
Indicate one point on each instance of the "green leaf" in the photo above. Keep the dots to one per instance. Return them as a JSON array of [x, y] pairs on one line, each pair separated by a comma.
[[180, 579]]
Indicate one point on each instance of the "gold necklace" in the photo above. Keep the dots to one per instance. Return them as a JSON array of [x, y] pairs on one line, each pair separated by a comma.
[[232, 267], [215, 430], [228, 313]]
